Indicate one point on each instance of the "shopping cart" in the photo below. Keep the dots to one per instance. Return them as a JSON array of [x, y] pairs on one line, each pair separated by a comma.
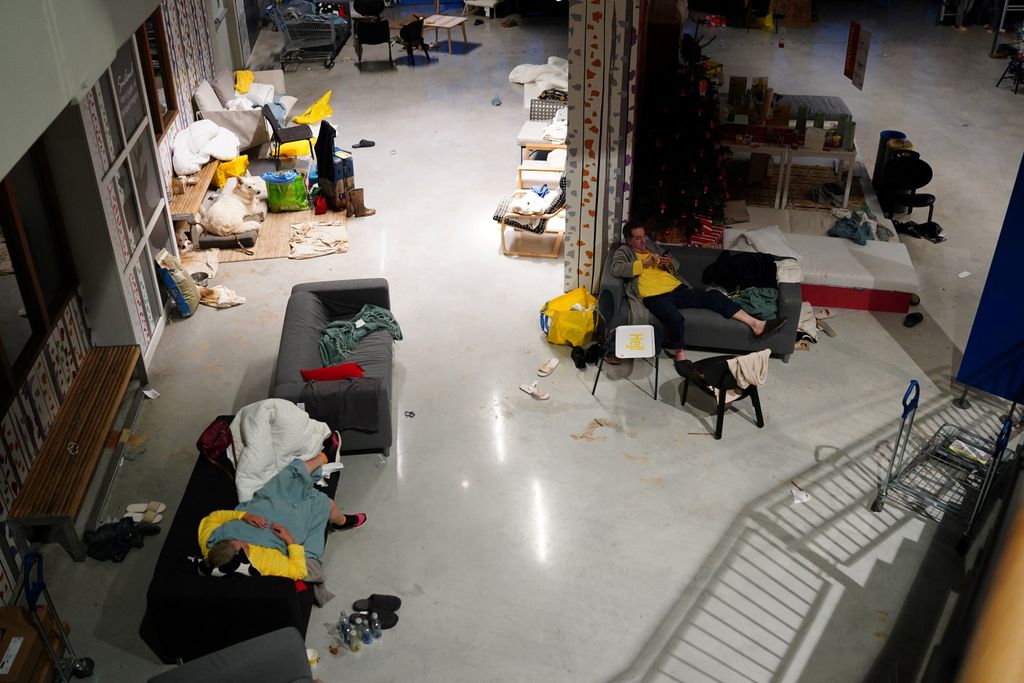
[[34, 587], [309, 37], [949, 477]]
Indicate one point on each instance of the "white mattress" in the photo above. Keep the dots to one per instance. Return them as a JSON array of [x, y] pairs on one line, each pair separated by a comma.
[[839, 262]]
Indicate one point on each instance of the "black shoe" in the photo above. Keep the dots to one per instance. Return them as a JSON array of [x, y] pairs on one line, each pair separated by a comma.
[[687, 371], [912, 319], [579, 357], [771, 327], [594, 353]]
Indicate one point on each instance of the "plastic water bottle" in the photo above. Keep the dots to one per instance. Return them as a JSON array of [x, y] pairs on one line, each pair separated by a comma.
[[367, 635], [344, 630], [355, 642], [375, 625]]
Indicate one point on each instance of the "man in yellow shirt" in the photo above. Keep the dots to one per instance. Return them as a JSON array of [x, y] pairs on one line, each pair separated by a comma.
[[651, 283], [297, 509]]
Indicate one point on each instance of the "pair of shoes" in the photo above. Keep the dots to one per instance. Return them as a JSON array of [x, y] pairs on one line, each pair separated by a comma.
[[579, 357], [351, 522], [148, 513], [771, 327], [384, 605]]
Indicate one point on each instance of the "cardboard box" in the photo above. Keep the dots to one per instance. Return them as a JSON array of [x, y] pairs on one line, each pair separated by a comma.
[[23, 657], [760, 170]]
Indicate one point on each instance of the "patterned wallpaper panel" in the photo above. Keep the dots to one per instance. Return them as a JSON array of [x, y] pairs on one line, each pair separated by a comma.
[[602, 94], [27, 421], [188, 39]]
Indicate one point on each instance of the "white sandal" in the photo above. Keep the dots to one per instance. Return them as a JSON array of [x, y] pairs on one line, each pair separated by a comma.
[[548, 367], [533, 390]]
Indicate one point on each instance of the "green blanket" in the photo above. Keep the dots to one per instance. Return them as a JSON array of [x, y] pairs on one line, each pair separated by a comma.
[[341, 337]]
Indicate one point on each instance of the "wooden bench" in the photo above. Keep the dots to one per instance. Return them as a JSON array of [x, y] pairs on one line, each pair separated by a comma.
[[186, 207], [63, 471]]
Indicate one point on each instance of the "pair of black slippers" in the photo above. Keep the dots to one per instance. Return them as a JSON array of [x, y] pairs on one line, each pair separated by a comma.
[[580, 356], [364, 143], [384, 605]]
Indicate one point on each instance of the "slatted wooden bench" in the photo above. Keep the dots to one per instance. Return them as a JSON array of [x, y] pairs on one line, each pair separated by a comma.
[[185, 207], [64, 470]]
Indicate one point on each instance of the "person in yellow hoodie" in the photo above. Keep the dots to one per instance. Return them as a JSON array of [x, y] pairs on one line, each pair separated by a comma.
[[280, 528]]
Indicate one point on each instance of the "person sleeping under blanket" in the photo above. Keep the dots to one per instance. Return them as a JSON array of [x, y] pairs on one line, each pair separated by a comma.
[[281, 531]]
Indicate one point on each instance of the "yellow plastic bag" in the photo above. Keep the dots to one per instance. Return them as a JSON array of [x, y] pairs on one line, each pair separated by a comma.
[[243, 79], [228, 169], [570, 319], [320, 110], [299, 148]]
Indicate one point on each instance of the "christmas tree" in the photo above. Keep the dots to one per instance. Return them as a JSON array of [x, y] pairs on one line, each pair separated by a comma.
[[680, 175]]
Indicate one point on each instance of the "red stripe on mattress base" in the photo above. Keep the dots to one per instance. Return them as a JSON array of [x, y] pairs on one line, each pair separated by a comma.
[[860, 299]]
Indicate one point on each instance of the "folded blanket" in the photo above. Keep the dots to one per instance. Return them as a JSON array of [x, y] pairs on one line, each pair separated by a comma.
[[769, 240]]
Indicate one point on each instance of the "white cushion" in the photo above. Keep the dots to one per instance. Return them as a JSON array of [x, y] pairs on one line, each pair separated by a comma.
[[260, 94], [224, 86], [206, 99]]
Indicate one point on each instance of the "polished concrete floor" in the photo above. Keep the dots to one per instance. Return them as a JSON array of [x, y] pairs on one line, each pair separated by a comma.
[[650, 551]]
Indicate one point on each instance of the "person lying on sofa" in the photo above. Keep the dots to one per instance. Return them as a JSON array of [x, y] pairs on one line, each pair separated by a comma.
[[650, 283], [280, 532]]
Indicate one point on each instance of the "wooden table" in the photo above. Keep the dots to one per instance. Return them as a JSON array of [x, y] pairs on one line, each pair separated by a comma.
[[443, 21]]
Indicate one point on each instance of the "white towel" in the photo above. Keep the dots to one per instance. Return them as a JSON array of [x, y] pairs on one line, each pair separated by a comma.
[[749, 370]]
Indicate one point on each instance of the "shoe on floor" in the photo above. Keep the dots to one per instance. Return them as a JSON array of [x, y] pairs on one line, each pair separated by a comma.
[[612, 359], [579, 357], [912, 319], [377, 603], [687, 371]]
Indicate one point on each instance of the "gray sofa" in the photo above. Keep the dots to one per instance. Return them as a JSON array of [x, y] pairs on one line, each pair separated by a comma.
[[211, 104], [707, 329], [311, 307]]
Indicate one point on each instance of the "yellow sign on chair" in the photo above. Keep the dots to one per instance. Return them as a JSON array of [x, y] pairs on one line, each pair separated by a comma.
[[634, 341]]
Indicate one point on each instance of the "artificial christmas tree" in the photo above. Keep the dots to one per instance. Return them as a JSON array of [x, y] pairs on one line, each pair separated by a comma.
[[679, 176]]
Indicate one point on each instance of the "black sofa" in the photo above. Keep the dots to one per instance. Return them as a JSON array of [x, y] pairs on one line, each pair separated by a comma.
[[707, 329], [189, 615], [311, 307]]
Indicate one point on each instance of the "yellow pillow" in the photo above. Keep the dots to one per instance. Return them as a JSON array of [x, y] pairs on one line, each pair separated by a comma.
[[243, 79], [299, 148], [227, 169]]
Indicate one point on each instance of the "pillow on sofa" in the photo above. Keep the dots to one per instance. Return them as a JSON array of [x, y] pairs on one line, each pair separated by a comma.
[[206, 99], [333, 372], [224, 86]]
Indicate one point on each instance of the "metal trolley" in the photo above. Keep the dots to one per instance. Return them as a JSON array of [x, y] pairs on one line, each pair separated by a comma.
[[67, 664], [308, 37], [950, 476]]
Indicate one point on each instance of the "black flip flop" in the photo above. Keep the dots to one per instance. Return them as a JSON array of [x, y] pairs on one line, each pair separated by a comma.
[[377, 603], [387, 619], [364, 143]]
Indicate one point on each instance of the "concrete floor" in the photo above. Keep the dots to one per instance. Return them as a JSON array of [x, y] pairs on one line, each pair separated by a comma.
[[652, 552]]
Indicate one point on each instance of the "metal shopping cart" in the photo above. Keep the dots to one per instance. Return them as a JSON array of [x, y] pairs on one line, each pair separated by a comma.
[[308, 36], [949, 477]]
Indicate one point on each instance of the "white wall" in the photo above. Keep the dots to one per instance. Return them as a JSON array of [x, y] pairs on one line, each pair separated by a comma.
[[51, 52]]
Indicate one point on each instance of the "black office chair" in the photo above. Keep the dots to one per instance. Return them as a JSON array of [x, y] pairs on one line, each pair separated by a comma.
[[411, 36], [717, 376], [280, 136], [904, 175], [370, 28]]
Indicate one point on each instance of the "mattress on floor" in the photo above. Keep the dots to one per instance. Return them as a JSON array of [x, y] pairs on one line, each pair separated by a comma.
[[789, 221], [839, 262]]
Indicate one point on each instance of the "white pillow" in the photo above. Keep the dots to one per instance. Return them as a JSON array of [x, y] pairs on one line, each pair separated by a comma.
[[206, 99], [260, 94]]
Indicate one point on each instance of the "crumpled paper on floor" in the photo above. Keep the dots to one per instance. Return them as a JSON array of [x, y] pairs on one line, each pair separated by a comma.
[[219, 297]]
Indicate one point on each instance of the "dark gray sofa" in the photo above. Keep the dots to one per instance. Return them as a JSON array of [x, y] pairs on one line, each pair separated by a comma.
[[706, 329], [275, 657], [311, 307]]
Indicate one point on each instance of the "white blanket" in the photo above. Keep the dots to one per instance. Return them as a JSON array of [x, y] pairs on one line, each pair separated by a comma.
[[193, 146], [769, 240], [554, 74], [268, 435]]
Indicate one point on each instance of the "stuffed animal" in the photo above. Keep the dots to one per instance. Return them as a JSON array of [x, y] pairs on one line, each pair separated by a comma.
[[227, 215]]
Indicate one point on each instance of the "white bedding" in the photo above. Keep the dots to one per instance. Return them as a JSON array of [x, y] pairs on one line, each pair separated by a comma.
[[195, 145], [554, 74], [268, 435]]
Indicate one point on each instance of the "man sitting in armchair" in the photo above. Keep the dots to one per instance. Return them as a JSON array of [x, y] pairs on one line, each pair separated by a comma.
[[651, 284]]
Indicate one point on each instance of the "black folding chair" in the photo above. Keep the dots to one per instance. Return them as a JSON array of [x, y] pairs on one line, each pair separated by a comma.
[[280, 136]]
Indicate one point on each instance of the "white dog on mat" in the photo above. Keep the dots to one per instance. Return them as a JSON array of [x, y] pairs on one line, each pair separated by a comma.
[[227, 215]]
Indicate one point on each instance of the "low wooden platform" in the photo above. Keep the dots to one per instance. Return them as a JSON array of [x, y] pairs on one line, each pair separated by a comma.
[[185, 207]]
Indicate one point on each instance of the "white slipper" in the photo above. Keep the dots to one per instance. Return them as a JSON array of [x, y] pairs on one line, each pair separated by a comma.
[[153, 506], [535, 391], [145, 517], [823, 313], [548, 367]]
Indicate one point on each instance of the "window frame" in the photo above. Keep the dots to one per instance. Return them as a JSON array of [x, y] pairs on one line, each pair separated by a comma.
[[42, 316], [160, 124]]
